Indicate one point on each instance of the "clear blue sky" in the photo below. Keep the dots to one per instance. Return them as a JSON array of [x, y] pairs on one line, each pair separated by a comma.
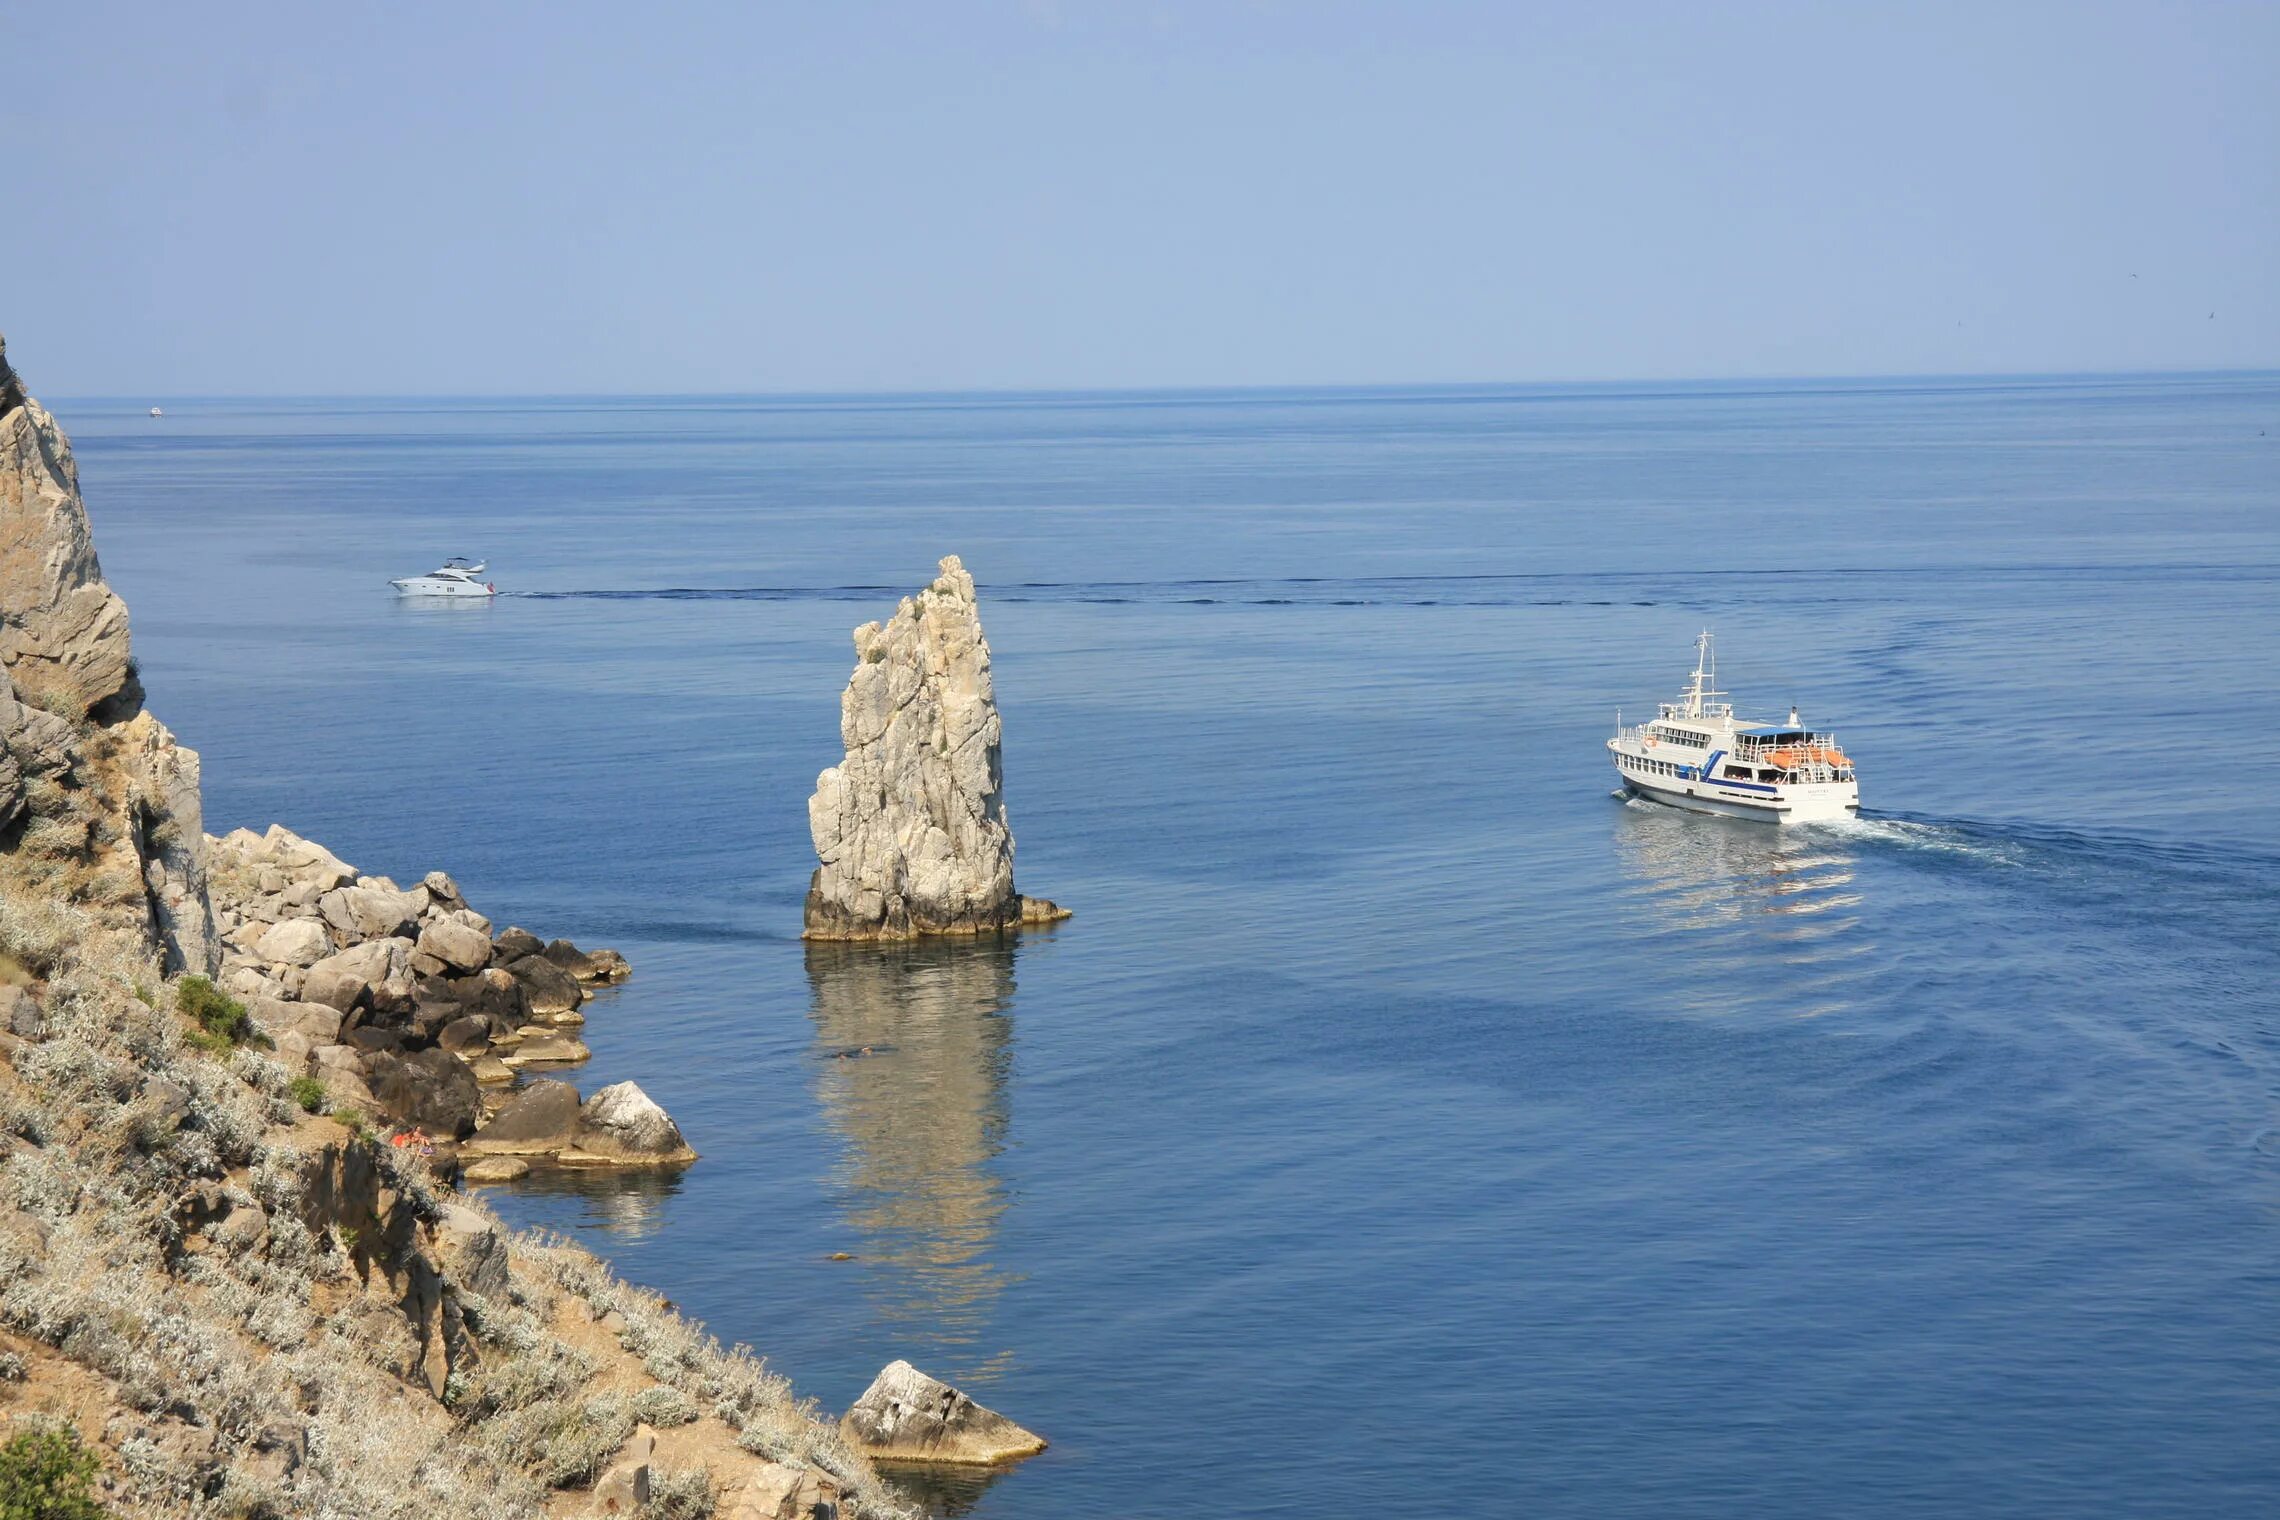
[[483, 196]]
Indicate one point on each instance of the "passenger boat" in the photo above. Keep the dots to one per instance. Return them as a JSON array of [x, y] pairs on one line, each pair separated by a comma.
[[456, 577], [1696, 754]]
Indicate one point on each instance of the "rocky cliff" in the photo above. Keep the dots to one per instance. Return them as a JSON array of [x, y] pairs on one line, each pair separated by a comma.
[[240, 1303], [97, 801], [911, 826]]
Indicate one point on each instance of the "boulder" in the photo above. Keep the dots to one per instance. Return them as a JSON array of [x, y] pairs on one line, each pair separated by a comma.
[[494, 995], [591, 968], [910, 827], [430, 1088], [465, 1035], [375, 966], [317, 1023], [545, 1048], [334, 988], [490, 1071], [539, 1120], [514, 944], [292, 1052], [345, 1088], [906, 1416], [442, 890], [305, 859], [295, 942], [473, 1253], [368, 912], [20, 1012], [457, 945], [549, 988], [620, 1121], [495, 1169], [464, 915], [624, 1488], [781, 1491], [337, 1058]]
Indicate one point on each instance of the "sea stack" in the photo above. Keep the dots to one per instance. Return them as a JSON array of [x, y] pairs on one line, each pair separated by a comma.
[[911, 827]]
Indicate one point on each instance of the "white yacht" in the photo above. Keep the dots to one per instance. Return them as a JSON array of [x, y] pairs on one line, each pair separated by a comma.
[[455, 578], [1696, 754]]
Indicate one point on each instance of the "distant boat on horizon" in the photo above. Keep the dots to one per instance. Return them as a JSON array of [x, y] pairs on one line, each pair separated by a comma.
[[156, 412]]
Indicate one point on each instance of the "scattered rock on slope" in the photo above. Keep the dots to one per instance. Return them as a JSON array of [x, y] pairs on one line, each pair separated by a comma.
[[911, 826]]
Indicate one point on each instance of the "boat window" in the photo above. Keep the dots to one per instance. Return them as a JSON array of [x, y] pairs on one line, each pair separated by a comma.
[[1737, 772], [1769, 775]]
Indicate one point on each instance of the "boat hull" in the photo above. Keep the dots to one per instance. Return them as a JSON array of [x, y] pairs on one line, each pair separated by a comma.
[[1797, 804], [422, 585]]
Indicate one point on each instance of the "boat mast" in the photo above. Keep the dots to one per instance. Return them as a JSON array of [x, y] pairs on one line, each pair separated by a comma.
[[1705, 679]]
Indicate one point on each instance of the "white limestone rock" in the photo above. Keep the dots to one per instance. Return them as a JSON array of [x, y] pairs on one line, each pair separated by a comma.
[[295, 942], [621, 1121], [63, 631], [910, 827], [906, 1416]]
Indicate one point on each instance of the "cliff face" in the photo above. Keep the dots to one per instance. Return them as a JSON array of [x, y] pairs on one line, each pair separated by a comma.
[[97, 800], [63, 632], [911, 826]]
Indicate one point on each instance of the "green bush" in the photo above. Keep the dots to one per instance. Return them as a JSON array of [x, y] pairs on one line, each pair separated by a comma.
[[220, 1017], [308, 1092], [44, 1475]]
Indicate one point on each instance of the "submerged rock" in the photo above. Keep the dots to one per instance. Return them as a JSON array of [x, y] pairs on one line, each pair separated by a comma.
[[911, 826], [906, 1416]]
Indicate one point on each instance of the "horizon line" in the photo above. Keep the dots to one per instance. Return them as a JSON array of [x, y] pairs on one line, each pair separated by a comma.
[[1224, 389]]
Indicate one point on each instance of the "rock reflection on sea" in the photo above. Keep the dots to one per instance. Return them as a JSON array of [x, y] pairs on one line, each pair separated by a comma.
[[1742, 895], [940, 1492], [625, 1202], [912, 1054]]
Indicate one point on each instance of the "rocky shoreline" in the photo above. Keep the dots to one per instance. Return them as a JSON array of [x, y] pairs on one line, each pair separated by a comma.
[[405, 1005], [237, 1078]]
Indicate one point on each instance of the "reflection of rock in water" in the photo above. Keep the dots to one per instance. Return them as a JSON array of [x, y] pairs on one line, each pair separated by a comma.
[[923, 1114], [944, 1492], [628, 1202]]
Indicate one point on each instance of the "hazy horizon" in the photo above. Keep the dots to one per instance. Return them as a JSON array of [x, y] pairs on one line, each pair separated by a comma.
[[258, 199], [1265, 387]]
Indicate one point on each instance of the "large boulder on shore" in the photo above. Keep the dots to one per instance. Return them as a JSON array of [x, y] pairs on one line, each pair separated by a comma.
[[296, 942], [910, 828], [549, 988], [538, 1121], [622, 1121], [460, 946], [906, 1416], [430, 1088]]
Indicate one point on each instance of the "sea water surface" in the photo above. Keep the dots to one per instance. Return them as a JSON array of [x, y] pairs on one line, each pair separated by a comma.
[[1404, 1124]]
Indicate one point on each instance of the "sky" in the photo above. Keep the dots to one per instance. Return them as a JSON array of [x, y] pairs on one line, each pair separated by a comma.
[[487, 196]]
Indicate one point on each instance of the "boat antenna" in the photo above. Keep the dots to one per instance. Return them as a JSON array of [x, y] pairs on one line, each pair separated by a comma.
[[1704, 682]]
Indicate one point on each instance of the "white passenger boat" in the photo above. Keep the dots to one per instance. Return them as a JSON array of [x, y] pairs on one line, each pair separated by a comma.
[[1696, 754], [455, 578]]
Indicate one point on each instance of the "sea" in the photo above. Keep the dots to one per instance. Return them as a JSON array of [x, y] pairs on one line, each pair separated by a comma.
[[1405, 1124]]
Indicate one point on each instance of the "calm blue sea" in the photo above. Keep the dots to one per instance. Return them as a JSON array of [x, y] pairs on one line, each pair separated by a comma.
[[1403, 1125]]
